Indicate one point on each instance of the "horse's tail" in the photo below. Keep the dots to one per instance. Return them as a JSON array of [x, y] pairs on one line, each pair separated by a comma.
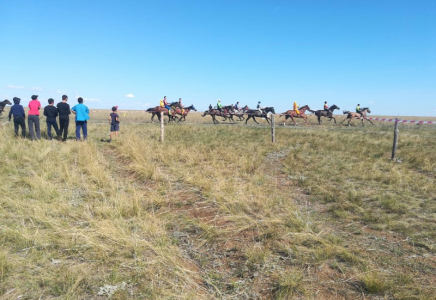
[[346, 112], [150, 110]]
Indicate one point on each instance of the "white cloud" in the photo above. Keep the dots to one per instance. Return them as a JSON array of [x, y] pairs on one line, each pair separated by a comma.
[[130, 96], [35, 88], [16, 87]]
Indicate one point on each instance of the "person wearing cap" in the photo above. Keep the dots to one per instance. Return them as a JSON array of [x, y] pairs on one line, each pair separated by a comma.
[[115, 122], [33, 118], [17, 111], [219, 106], [258, 107], [82, 116], [237, 106], [64, 117], [181, 106], [51, 112], [296, 108], [326, 107], [358, 109]]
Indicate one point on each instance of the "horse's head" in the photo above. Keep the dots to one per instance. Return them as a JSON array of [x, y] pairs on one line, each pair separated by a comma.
[[367, 109], [205, 113], [7, 102], [334, 106], [193, 108]]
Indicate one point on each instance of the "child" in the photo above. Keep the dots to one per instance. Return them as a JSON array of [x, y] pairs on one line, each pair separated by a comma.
[[115, 122]]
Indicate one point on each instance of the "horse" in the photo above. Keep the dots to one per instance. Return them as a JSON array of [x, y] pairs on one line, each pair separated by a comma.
[[216, 113], [293, 114], [356, 115], [3, 104], [185, 112], [326, 113], [253, 113], [240, 113], [155, 111]]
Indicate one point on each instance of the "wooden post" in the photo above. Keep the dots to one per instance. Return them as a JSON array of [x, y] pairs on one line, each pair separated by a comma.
[[394, 146], [161, 126], [273, 129]]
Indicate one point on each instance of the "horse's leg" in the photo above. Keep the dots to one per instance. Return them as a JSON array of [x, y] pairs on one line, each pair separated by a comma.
[[334, 119], [319, 119], [268, 119], [370, 121], [254, 119]]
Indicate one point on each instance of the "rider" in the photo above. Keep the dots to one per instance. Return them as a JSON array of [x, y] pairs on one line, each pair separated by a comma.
[[237, 106], [181, 106], [165, 103], [219, 106], [358, 109], [296, 108], [210, 107], [326, 107], [258, 107]]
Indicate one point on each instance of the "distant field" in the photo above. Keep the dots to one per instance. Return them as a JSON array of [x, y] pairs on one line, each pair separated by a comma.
[[219, 212]]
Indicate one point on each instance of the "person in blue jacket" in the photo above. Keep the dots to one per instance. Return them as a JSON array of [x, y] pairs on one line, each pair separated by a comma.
[[82, 116], [17, 111]]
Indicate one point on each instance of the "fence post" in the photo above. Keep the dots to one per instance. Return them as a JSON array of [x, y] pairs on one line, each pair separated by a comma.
[[162, 126], [273, 129], [394, 146]]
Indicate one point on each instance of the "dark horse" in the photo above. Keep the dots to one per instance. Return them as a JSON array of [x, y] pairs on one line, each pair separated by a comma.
[[293, 114], [216, 113], [3, 104], [253, 113], [175, 110], [356, 115], [326, 113]]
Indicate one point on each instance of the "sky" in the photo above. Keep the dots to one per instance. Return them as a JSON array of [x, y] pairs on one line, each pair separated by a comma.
[[377, 53]]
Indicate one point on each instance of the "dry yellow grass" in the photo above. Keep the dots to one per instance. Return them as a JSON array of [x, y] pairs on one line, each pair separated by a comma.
[[219, 212]]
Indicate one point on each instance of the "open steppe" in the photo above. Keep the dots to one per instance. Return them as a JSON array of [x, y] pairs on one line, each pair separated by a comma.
[[219, 212]]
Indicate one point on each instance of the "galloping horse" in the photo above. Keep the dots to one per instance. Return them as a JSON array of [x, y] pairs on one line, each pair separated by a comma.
[[185, 112], [253, 113], [3, 104], [216, 113], [356, 115], [158, 109], [240, 113], [293, 114], [326, 113]]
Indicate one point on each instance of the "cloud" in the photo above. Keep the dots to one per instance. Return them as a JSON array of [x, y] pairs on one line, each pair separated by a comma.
[[130, 96], [35, 88], [15, 87]]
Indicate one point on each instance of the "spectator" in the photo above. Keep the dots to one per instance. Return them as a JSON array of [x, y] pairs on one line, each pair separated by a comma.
[[33, 118], [82, 116], [115, 122], [17, 111], [64, 117], [51, 112]]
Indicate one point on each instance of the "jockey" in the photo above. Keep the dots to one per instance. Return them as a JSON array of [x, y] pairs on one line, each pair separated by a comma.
[[210, 107], [296, 108], [237, 106], [219, 106], [258, 107], [181, 106], [165, 103], [326, 107], [358, 109]]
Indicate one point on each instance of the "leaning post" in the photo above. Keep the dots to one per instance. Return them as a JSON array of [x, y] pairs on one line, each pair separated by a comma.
[[162, 126], [273, 128], [394, 146]]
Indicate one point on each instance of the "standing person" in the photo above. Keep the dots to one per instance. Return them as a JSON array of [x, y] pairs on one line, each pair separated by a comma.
[[64, 117], [296, 108], [82, 116], [17, 111], [51, 112], [33, 118], [115, 122]]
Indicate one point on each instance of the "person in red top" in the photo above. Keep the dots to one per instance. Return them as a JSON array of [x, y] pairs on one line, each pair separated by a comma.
[[33, 118], [326, 107]]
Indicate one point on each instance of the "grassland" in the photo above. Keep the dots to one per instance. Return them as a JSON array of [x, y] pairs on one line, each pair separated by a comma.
[[219, 212]]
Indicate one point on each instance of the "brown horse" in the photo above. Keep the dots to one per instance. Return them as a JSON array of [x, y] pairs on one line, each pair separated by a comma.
[[293, 114], [184, 112], [158, 109], [326, 113], [356, 115], [3, 104]]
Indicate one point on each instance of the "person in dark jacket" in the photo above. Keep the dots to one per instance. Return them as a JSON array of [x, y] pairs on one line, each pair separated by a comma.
[[51, 112], [64, 117], [17, 111]]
